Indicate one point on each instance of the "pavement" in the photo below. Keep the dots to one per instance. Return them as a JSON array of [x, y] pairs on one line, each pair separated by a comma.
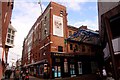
[[82, 77]]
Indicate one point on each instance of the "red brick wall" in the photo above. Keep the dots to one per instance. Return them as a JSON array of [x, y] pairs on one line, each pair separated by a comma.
[[57, 41], [5, 10]]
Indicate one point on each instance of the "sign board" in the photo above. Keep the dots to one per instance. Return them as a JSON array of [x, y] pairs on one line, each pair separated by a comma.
[[57, 26]]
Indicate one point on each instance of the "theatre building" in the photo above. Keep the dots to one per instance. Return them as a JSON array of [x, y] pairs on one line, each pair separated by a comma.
[[54, 50]]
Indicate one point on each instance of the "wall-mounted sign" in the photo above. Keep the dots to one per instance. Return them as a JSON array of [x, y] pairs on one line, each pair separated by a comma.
[[57, 26]]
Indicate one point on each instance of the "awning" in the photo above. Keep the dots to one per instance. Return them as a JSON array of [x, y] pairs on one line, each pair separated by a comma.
[[42, 61]]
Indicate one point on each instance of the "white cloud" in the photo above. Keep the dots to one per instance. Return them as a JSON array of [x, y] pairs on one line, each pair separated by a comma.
[[92, 24], [74, 5]]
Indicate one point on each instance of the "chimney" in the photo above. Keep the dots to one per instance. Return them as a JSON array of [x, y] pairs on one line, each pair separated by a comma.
[[83, 27]]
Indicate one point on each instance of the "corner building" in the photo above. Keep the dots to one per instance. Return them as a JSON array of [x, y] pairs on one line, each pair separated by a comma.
[[45, 52]]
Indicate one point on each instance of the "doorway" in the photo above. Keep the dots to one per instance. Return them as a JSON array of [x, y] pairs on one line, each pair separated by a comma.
[[57, 71]]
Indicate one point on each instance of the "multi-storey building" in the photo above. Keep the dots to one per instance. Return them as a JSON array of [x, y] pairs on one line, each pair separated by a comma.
[[5, 16], [50, 49], [109, 22]]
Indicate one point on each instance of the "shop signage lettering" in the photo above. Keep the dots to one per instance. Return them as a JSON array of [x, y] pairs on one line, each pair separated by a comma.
[[67, 55]]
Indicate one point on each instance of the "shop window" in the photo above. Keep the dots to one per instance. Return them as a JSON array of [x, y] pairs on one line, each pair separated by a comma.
[[57, 60], [57, 72], [41, 69], [80, 67], [45, 68], [60, 49], [72, 69], [71, 47], [93, 67], [65, 66]]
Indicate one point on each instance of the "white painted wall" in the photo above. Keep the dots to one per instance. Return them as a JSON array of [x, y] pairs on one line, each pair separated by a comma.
[[116, 44]]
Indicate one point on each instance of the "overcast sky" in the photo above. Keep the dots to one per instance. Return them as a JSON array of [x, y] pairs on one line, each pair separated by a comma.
[[26, 12]]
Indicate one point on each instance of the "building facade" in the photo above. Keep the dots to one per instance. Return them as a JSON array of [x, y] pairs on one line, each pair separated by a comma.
[[50, 52], [109, 17], [5, 16]]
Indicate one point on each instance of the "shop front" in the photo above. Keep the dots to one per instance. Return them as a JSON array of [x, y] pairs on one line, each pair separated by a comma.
[[70, 65]]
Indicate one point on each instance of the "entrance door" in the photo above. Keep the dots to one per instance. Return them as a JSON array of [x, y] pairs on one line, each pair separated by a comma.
[[72, 70], [57, 72]]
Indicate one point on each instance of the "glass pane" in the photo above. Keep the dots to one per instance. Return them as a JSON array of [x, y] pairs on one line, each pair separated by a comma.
[[12, 37], [9, 30], [59, 74], [55, 74], [8, 35], [80, 67], [8, 40], [59, 69], [13, 32], [11, 41]]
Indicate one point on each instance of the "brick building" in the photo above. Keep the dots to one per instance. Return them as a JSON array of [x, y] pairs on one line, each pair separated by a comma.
[[5, 16], [50, 52], [109, 21]]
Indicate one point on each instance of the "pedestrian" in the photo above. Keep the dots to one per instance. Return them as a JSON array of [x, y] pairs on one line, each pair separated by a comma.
[[17, 74], [9, 73]]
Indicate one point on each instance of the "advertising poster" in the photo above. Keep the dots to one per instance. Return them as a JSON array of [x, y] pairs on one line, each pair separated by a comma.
[[57, 26]]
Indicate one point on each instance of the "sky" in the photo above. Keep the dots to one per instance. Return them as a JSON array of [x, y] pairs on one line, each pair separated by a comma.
[[26, 12]]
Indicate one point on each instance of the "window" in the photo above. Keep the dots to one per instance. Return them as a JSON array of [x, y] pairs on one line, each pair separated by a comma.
[[83, 48], [71, 47], [45, 18], [8, 35], [57, 60], [9, 30], [11, 41], [8, 40], [76, 47], [72, 69], [45, 31], [12, 37], [70, 33], [41, 69], [57, 71], [93, 66], [65, 66], [61, 13], [80, 67], [60, 49], [8, 3], [13, 32]]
